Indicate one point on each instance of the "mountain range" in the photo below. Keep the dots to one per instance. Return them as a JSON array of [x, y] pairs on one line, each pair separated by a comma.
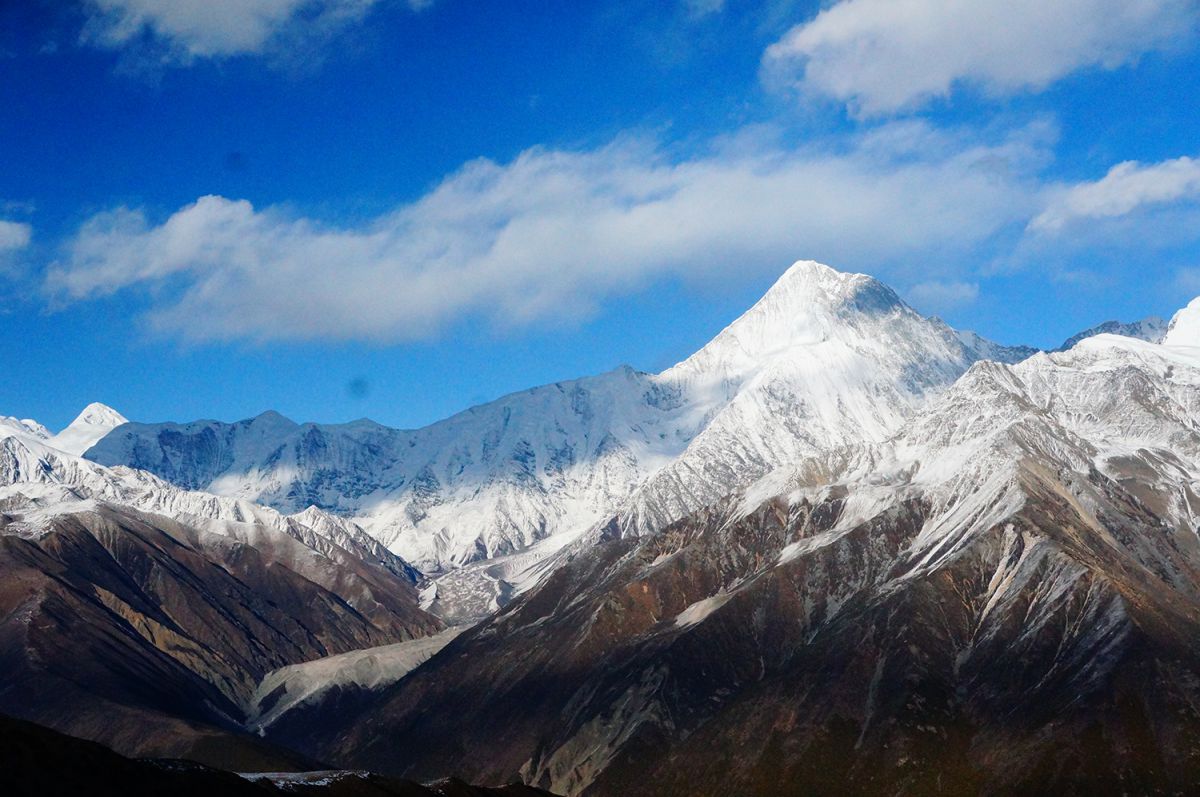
[[823, 360], [843, 548]]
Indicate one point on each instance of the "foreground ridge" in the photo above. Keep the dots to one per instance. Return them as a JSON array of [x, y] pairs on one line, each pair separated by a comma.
[[38, 761]]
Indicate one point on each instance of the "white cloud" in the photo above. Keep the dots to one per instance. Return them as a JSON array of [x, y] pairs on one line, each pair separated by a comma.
[[216, 28], [883, 56], [14, 235], [553, 233], [940, 297], [1126, 188]]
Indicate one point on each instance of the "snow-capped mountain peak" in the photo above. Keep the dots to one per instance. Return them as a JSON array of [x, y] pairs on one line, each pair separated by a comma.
[[809, 304], [823, 361], [1185, 326], [85, 431], [97, 414]]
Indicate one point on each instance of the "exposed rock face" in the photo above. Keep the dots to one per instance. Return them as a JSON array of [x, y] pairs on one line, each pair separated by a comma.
[[1004, 598], [115, 623]]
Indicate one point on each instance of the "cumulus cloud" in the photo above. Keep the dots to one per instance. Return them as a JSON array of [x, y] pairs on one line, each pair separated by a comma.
[[1126, 188], [554, 233], [190, 29], [884, 56], [14, 235]]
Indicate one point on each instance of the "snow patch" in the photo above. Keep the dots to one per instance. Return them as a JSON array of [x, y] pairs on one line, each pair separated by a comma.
[[699, 611], [284, 689]]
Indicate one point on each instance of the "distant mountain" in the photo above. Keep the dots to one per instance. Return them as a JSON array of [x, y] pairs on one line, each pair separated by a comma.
[[824, 359], [1002, 598], [1149, 329]]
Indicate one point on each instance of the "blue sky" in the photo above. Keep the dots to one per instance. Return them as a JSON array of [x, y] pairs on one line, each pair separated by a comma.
[[348, 208]]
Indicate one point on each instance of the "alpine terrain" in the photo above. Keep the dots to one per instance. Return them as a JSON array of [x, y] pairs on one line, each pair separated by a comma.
[[843, 548]]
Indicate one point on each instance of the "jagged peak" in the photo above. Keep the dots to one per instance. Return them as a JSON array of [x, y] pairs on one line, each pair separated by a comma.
[[35, 427], [1185, 326], [986, 376], [981, 348]]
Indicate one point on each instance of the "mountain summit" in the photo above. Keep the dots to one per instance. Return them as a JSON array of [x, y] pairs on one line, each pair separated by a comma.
[[96, 421], [97, 414], [810, 304]]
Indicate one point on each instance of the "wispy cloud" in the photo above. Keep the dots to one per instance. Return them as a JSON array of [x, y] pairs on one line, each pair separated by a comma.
[[15, 240], [554, 233], [14, 235], [1126, 188], [884, 56], [185, 30]]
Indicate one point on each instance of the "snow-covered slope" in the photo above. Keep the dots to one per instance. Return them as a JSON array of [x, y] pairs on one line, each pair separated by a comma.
[[1185, 326], [24, 428], [824, 359], [288, 688], [93, 423], [488, 481]]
